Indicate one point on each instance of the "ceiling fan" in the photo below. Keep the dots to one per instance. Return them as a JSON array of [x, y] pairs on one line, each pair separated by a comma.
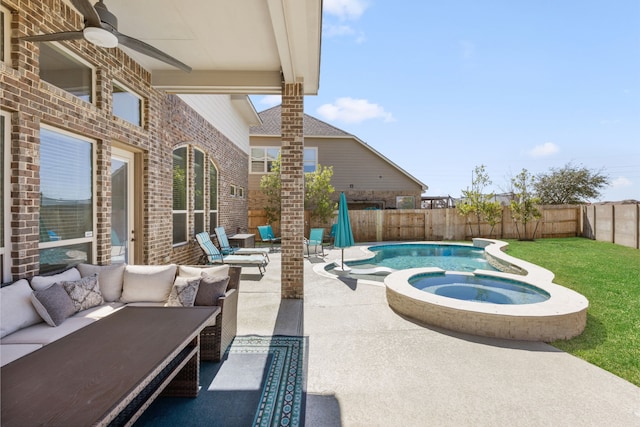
[[101, 29]]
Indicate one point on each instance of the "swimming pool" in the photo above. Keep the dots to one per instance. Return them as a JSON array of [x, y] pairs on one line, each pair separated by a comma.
[[385, 259], [478, 288], [562, 315]]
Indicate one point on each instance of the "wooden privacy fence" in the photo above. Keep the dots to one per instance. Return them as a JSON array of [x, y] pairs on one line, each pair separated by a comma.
[[614, 223], [437, 224]]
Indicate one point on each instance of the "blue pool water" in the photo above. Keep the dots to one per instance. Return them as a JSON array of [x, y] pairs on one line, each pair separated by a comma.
[[476, 288], [415, 255]]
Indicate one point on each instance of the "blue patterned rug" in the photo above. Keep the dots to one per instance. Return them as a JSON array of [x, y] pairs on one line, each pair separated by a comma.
[[259, 382]]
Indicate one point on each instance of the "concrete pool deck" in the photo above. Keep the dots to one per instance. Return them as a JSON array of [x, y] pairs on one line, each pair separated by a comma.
[[368, 366]]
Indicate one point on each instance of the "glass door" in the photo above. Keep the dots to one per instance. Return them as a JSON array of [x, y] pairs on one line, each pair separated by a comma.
[[122, 232]]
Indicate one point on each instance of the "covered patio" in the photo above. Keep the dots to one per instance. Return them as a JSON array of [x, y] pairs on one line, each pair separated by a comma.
[[366, 365]]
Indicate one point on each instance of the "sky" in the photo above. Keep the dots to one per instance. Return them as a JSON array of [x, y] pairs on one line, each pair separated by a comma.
[[440, 87]]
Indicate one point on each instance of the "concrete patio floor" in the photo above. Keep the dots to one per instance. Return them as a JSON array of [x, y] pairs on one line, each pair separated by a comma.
[[367, 366]]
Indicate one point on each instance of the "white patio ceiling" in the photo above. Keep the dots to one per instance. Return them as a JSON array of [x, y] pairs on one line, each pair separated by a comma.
[[233, 46]]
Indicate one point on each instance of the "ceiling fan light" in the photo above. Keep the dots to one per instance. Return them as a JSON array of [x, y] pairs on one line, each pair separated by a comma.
[[100, 37]]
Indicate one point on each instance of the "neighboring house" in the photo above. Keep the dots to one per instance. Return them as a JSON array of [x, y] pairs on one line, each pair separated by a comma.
[[368, 179], [102, 155]]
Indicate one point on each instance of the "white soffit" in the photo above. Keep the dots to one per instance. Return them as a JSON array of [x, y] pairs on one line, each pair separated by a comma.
[[234, 47]]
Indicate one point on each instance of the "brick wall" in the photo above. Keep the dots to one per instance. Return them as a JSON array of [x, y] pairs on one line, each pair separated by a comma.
[[168, 123], [292, 173]]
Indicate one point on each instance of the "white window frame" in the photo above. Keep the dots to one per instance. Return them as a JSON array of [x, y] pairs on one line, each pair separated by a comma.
[[6, 34], [212, 165], [187, 194], [265, 160], [315, 161], [5, 246], [64, 51], [204, 187], [131, 92], [90, 236]]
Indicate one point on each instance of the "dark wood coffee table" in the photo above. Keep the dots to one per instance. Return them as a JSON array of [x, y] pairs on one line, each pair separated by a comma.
[[108, 372]]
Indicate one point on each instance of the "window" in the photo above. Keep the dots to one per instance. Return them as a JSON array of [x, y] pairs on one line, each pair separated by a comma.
[[232, 190], [262, 159], [180, 183], [66, 200], [240, 192], [5, 226], [405, 202], [66, 71], [310, 159], [213, 197], [5, 34], [126, 104], [198, 191]]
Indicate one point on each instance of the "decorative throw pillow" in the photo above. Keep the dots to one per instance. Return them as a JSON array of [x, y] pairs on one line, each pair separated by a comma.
[[85, 293], [211, 288], [188, 271], [183, 292], [147, 283], [16, 309], [53, 304], [39, 283], [110, 278]]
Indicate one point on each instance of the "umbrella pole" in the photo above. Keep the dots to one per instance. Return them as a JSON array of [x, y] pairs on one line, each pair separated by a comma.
[[343, 258]]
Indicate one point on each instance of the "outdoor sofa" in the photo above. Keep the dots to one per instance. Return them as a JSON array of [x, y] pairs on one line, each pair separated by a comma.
[[43, 309]]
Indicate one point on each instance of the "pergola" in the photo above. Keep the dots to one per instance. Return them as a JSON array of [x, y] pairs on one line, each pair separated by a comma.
[[243, 47]]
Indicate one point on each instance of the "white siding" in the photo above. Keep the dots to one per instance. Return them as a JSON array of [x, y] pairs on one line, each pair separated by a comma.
[[219, 111]]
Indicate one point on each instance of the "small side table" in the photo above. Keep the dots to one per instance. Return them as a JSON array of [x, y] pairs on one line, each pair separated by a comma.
[[243, 240]]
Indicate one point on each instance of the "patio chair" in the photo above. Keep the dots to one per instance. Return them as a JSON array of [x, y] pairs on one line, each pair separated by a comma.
[[266, 234], [315, 239], [214, 256], [332, 235], [227, 249]]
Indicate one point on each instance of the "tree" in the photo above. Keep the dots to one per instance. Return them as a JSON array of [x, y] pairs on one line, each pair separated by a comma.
[[478, 204], [318, 190], [569, 185], [271, 186], [524, 205]]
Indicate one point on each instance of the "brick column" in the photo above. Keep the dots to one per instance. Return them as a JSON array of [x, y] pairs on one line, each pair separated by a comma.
[[292, 175]]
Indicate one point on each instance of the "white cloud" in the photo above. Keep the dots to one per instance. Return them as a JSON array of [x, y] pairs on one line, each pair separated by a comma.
[[345, 9], [271, 100], [351, 110], [621, 182], [544, 150], [331, 30]]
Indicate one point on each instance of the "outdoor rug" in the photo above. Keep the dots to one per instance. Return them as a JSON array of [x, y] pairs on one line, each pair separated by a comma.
[[259, 382]]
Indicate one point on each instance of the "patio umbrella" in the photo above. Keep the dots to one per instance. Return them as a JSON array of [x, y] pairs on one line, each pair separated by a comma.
[[344, 235]]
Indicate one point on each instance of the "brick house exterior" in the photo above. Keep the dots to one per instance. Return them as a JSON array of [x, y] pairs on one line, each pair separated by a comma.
[[28, 102]]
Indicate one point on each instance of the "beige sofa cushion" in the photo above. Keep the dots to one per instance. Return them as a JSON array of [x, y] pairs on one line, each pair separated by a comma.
[[147, 283], [45, 334], [110, 279], [16, 310], [188, 271], [11, 352], [39, 283]]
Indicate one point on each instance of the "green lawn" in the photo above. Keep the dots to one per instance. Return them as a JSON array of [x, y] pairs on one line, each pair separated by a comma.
[[609, 276]]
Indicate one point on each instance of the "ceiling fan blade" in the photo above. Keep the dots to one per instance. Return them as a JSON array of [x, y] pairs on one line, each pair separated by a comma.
[[91, 17], [151, 51], [66, 35]]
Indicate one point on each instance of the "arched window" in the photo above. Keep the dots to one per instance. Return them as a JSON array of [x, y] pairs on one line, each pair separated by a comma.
[[198, 191], [180, 187], [213, 197]]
